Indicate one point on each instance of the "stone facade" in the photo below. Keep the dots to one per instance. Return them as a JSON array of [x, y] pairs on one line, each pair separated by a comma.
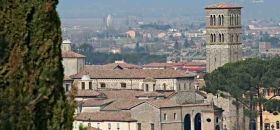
[[73, 65], [182, 84], [223, 36], [173, 118], [231, 112]]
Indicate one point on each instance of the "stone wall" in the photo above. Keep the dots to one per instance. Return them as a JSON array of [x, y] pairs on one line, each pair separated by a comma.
[[146, 114], [171, 84]]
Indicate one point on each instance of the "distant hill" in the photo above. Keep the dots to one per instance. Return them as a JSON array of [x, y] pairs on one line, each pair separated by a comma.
[[258, 9]]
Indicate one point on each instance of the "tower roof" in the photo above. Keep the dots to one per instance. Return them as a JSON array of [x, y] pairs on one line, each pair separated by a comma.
[[224, 6]]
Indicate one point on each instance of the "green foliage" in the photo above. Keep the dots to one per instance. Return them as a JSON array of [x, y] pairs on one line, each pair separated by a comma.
[[31, 73], [244, 77], [81, 127], [105, 58]]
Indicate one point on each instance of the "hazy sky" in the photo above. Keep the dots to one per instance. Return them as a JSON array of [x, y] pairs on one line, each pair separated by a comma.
[[149, 8]]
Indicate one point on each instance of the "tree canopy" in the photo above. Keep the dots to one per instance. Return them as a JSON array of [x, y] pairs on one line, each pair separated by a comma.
[[31, 72], [245, 76]]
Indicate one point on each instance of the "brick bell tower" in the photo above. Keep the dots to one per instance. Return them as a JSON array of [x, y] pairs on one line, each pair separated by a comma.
[[223, 35]]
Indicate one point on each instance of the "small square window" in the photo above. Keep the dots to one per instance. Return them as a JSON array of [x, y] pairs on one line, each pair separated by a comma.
[[102, 85], [123, 85]]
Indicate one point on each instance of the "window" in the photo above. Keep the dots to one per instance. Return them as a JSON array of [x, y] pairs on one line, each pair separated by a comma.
[[109, 126], [102, 85], [83, 85], [118, 126], [165, 116], [222, 19], [89, 124], [67, 87], [223, 38], [164, 86], [90, 85], [217, 120], [214, 19], [147, 87], [220, 37], [237, 38], [277, 125], [123, 85], [211, 38], [175, 116], [138, 126], [211, 20], [154, 87], [152, 126], [214, 35]]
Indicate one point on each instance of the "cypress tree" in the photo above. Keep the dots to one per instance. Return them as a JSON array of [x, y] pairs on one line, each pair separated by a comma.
[[31, 73]]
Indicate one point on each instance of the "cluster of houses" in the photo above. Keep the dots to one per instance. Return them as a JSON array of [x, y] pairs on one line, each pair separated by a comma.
[[122, 96]]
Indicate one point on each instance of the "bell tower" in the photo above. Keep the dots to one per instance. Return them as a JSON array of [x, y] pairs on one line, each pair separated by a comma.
[[223, 35]]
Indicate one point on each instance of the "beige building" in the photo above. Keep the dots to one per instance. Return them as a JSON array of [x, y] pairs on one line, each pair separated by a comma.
[[223, 35], [91, 78], [72, 62], [150, 110], [271, 120], [105, 120]]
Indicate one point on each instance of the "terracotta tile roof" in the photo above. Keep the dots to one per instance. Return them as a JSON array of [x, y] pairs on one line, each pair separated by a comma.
[[113, 66], [67, 78], [162, 65], [150, 94], [71, 54], [133, 74], [89, 93], [105, 116], [121, 94], [163, 103], [223, 6], [96, 102], [123, 104]]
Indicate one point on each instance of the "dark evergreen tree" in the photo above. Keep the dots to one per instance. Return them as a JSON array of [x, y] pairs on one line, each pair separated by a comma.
[[31, 73]]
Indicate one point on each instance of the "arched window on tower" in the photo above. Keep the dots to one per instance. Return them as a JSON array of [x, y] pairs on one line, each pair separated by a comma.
[[237, 38], [220, 37], [211, 20], [222, 19], [214, 38], [236, 19], [230, 20], [214, 19], [231, 38]]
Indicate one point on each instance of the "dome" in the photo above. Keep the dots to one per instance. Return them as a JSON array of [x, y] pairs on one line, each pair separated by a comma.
[[85, 77]]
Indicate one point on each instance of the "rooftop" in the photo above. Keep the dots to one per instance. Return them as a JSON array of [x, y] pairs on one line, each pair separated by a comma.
[[71, 54], [105, 116], [96, 102], [223, 6], [132, 74], [89, 93]]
